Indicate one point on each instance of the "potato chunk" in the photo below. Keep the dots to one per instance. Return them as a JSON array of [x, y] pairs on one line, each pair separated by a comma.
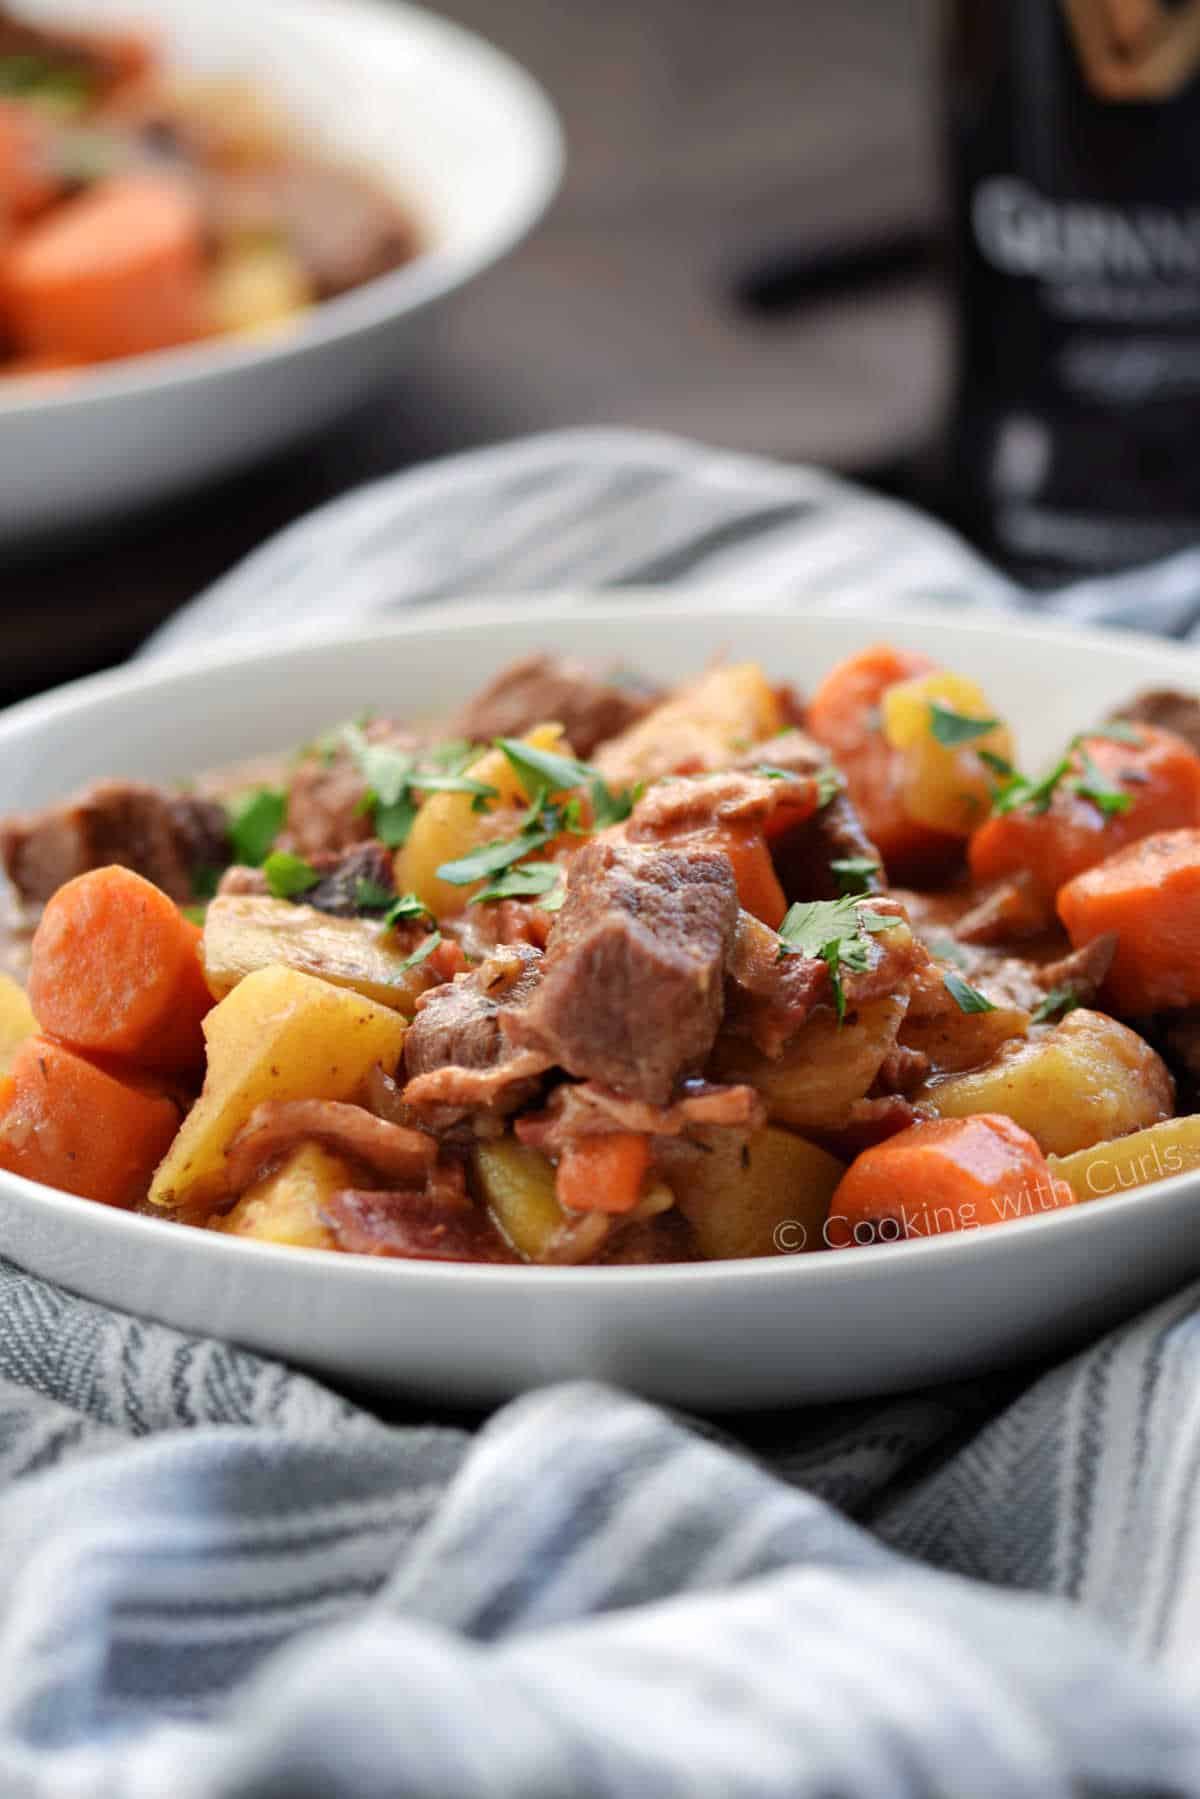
[[824, 1069], [704, 725], [765, 1196], [243, 932], [288, 1205], [518, 1186], [1084, 1080], [1134, 1161], [447, 826], [946, 785], [16, 1020], [278, 1035]]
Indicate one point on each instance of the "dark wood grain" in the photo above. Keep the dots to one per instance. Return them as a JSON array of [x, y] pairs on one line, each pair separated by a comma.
[[707, 143]]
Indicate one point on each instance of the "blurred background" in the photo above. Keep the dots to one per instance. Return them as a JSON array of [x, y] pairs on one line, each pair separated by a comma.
[[744, 251]]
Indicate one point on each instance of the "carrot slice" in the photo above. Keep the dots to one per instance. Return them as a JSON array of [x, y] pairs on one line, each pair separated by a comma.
[[843, 714], [1149, 893], [951, 1174], [604, 1173], [1160, 778], [115, 970], [72, 1125], [27, 182], [117, 271]]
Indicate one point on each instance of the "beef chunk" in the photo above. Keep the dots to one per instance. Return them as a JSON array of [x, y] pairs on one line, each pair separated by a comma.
[[409, 1224], [803, 855], [458, 1062], [339, 889], [167, 837], [1171, 711], [631, 992], [326, 797], [670, 810], [344, 226], [539, 689]]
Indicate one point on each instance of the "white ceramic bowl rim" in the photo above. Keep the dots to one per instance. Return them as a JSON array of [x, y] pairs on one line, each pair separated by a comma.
[[875, 1261], [431, 273]]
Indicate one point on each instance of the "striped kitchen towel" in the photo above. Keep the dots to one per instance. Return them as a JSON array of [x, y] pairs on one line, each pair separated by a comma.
[[219, 1580]]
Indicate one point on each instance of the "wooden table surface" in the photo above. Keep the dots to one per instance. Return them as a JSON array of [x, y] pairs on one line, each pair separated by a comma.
[[707, 144]]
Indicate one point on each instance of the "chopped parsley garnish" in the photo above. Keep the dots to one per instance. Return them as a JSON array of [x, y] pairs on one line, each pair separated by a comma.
[[204, 881], [544, 773], [772, 773], [1017, 790], [829, 784], [289, 876], [395, 777], [1057, 1003], [966, 997], [1118, 730], [255, 821], [947, 949], [952, 728], [527, 881], [407, 908], [421, 953], [372, 896], [612, 806], [831, 931], [196, 914], [854, 874], [1093, 784]]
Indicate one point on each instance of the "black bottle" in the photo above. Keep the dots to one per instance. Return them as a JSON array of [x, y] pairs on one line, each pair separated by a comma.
[[1076, 176]]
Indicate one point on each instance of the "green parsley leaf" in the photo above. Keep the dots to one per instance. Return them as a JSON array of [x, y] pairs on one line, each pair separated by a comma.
[[404, 909], [197, 914], [772, 773], [255, 821], [1037, 795], [1118, 730], [542, 773], [1057, 1003], [947, 949], [553, 901], [812, 924], [829, 784], [997, 764], [523, 882], [421, 953], [393, 823], [1094, 785], [490, 858], [453, 754], [951, 728], [612, 806], [372, 896], [289, 876], [204, 881], [854, 874], [966, 997]]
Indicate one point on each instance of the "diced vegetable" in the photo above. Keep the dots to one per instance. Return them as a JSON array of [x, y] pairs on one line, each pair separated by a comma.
[[603, 1173], [243, 932], [846, 715], [954, 1038], [1138, 1160], [1069, 1086], [1108, 793], [279, 1035], [701, 726], [114, 272], [115, 970], [448, 827], [518, 1185], [1149, 894], [257, 285], [825, 1068], [288, 1205], [951, 1174], [78, 1127], [766, 1196], [17, 1021], [941, 723]]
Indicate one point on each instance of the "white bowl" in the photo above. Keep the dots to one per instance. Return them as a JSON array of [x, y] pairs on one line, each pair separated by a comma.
[[458, 130], [714, 1336]]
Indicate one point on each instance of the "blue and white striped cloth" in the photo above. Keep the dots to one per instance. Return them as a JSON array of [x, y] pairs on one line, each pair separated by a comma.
[[220, 1581]]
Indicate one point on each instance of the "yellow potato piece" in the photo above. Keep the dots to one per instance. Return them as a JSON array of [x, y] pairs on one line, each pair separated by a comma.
[[824, 1069], [278, 1035], [518, 1186], [16, 1020], [243, 932], [1134, 1161], [704, 725], [1086, 1079], [288, 1205], [257, 285], [945, 786], [766, 1196], [448, 827]]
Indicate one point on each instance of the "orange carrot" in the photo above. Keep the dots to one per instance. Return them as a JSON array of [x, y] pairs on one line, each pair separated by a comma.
[[1160, 776], [115, 970], [1149, 893], [951, 1174], [27, 182], [603, 1174], [70, 1124], [843, 714], [117, 271]]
